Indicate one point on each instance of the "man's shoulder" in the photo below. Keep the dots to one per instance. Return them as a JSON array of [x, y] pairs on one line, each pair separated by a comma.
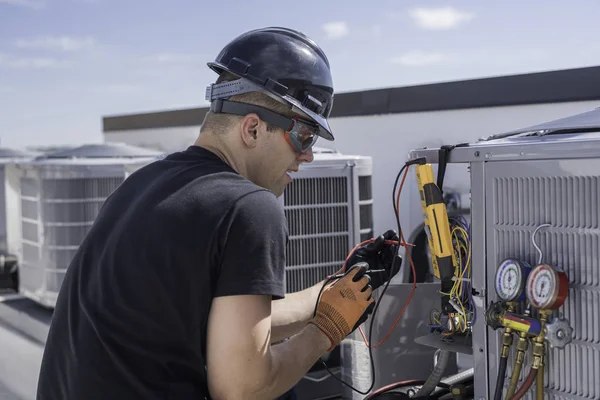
[[233, 188]]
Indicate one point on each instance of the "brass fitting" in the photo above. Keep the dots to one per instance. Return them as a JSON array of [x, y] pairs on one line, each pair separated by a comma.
[[522, 342], [507, 340], [538, 347], [507, 337], [538, 355]]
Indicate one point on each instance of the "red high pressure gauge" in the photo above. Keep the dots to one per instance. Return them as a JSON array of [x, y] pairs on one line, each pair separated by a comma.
[[547, 287]]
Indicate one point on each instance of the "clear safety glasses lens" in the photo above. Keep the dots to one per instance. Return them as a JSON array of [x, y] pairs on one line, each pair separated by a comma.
[[303, 135]]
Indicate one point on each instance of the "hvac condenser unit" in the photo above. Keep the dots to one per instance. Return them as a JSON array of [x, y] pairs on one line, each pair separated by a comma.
[[329, 208], [537, 188], [61, 194], [8, 238]]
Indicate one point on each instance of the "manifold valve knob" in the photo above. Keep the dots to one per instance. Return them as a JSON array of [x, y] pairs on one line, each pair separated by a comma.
[[559, 333]]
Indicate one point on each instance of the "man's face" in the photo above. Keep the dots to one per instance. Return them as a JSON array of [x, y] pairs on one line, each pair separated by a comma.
[[276, 160]]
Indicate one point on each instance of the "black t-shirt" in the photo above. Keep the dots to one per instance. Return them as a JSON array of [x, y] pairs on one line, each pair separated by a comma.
[[131, 317]]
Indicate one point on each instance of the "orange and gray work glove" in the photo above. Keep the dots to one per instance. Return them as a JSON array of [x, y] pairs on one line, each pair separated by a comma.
[[344, 304]]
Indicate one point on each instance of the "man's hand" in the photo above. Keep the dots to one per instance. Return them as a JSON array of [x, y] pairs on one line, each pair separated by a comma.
[[344, 304], [379, 256]]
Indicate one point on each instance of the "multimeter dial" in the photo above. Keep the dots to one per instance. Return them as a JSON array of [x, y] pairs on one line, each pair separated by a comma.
[[511, 276], [547, 287]]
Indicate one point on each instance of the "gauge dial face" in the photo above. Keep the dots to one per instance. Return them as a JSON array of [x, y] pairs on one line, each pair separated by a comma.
[[509, 280], [542, 287]]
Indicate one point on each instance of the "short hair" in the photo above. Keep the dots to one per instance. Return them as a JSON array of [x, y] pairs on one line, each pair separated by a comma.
[[219, 123]]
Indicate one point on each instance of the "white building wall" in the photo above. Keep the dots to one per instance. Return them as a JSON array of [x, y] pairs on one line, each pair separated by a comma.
[[388, 139]]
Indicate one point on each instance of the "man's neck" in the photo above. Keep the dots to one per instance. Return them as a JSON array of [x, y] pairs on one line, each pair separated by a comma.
[[221, 150]]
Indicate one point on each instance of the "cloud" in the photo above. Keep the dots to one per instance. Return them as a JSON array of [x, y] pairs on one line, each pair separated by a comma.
[[60, 43], [9, 61], [419, 58], [439, 18], [37, 4], [336, 29]]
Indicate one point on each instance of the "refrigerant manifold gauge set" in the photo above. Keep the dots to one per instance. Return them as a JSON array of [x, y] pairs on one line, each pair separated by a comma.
[[542, 289]]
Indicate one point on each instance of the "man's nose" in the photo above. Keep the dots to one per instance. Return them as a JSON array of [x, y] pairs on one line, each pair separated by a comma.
[[306, 156]]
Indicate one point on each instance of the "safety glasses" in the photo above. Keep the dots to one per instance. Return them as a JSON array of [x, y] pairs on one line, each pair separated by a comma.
[[299, 133], [302, 135]]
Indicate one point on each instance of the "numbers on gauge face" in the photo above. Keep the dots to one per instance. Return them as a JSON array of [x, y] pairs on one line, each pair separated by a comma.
[[542, 288], [509, 280]]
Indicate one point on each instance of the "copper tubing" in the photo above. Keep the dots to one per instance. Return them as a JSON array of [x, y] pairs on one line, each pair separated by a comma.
[[526, 385]]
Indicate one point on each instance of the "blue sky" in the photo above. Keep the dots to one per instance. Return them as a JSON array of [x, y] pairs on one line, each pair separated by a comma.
[[66, 63]]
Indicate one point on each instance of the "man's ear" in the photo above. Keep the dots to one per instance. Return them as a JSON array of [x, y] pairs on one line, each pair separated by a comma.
[[249, 129]]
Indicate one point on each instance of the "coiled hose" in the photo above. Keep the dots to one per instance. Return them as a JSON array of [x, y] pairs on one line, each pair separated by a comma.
[[436, 375], [500, 379]]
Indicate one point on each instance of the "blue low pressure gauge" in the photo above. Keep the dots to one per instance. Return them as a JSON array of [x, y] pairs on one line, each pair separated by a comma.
[[511, 277]]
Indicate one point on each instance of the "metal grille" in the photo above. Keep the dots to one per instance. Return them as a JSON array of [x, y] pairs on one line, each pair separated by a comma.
[[570, 204], [56, 215], [314, 191], [365, 198], [317, 210]]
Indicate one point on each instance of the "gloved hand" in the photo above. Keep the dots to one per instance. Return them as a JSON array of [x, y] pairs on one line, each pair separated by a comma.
[[344, 305], [379, 256]]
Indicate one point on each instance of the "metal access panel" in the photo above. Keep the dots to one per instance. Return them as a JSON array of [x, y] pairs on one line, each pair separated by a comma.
[[519, 196], [329, 209]]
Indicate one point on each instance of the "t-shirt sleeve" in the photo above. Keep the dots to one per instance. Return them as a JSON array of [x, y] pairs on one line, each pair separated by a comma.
[[254, 244]]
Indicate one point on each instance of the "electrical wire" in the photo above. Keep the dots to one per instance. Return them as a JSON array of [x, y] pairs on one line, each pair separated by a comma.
[[396, 205], [461, 290], [461, 293]]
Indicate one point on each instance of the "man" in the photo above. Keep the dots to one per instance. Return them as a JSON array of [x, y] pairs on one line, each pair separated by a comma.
[[177, 292]]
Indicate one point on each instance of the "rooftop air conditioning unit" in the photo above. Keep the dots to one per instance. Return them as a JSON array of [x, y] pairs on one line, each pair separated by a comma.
[[61, 194], [535, 196], [329, 209], [8, 255]]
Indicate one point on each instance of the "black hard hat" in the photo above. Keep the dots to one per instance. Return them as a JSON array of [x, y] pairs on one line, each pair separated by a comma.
[[285, 63]]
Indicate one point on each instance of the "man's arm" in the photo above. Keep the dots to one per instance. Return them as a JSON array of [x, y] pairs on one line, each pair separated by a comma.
[[291, 314], [241, 362]]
